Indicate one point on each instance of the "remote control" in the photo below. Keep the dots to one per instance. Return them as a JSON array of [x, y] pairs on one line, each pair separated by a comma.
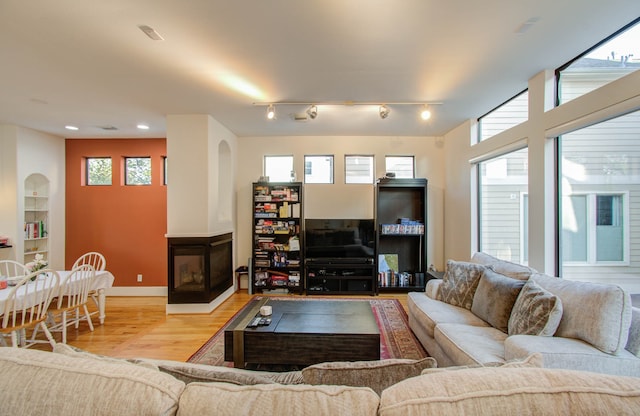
[[254, 322], [265, 321]]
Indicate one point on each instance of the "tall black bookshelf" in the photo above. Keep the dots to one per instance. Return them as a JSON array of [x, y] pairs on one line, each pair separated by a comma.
[[277, 261], [401, 229]]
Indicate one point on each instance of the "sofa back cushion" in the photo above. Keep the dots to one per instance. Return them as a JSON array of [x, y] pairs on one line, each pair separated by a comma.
[[507, 268], [599, 314], [221, 399], [43, 383], [459, 283], [536, 312], [512, 391], [494, 298]]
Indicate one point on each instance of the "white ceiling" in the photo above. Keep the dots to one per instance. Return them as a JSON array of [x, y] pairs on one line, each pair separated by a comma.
[[86, 62]]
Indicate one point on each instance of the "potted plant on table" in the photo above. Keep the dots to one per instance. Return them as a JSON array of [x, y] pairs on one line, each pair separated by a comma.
[[39, 263]]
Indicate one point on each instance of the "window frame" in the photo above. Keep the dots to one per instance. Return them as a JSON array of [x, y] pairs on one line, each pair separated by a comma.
[[373, 169], [333, 169], [126, 170], [413, 165], [87, 178]]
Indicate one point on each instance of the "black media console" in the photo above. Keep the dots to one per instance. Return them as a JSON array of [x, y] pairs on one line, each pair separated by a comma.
[[354, 276]]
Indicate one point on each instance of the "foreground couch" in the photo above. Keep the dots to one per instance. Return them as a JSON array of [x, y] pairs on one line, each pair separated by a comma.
[[72, 383], [489, 311]]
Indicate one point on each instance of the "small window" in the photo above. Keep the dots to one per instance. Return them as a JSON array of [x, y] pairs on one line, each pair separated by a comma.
[[505, 116], [318, 169], [358, 169], [137, 170], [608, 61], [99, 171], [402, 166], [279, 168]]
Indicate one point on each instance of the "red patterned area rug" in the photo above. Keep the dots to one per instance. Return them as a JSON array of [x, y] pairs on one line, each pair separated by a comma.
[[396, 339]]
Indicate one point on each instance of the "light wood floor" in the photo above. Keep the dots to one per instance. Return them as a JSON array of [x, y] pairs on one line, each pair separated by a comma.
[[139, 327]]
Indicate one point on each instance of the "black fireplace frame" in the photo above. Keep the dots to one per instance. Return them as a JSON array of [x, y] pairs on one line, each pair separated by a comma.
[[199, 246]]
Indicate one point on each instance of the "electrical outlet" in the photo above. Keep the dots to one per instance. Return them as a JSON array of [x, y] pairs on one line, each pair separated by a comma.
[[139, 278]]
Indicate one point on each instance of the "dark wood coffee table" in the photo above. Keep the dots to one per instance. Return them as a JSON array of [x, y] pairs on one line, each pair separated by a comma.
[[304, 332]]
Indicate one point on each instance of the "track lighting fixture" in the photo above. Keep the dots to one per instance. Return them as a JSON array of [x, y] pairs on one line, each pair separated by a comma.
[[271, 112], [425, 114], [384, 111], [313, 111]]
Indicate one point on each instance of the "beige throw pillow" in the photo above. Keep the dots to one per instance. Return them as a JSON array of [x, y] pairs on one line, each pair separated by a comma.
[[494, 299], [536, 312], [377, 375], [459, 283]]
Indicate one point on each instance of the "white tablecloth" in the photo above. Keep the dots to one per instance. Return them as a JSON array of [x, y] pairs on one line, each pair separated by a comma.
[[103, 280]]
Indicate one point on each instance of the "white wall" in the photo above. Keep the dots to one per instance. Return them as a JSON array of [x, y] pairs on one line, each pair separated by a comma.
[[340, 200], [619, 97], [32, 152]]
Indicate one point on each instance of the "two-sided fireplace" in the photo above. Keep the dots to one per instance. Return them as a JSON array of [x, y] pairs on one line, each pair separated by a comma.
[[200, 268]]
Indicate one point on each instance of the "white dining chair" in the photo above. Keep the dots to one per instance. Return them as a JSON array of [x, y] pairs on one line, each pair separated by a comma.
[[71, 306], [11, 268], [26, 308], [98, 262]]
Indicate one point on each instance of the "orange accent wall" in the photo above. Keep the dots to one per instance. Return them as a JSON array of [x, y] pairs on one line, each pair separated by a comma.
[[125, 223]]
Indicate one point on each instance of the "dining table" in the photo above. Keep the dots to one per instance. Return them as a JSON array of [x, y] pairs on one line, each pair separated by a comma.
[[103, 280]]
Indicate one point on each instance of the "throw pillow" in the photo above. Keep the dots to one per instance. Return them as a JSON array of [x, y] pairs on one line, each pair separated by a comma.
[[377, 375], [495, 297], [459, 283], [536, 312]]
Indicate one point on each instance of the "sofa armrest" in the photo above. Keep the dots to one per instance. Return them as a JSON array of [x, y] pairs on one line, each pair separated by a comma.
[[431, 290], [572, 354]]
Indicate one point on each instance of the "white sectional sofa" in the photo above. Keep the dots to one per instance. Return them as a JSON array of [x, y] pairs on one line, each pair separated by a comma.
[[508, 311]]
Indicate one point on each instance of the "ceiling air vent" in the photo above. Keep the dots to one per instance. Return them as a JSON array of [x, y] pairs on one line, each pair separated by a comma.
[[108, 128]]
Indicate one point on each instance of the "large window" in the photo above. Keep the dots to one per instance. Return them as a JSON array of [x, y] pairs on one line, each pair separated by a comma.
[[137, 170], [600, 184], [402, 166], [606, 62], [279, 168], [358, 169], [98, 170], [503, 184], [505, 116], [318, 169]]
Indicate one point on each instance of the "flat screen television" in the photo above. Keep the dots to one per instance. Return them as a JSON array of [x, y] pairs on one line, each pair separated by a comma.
[[339, 238]]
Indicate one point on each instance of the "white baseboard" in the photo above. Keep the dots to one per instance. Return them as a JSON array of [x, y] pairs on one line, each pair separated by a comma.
[[136, 291]]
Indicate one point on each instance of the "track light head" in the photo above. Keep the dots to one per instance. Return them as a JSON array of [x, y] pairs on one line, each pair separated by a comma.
[[313, 112], [425, 114], [271, 112], [384, 111]]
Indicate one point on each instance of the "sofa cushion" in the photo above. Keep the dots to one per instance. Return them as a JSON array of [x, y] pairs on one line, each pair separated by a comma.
[[512, 391], [378, 375], [222, 399], [189, 373], [459, 283], [430, 312], [599, 314], [536, 312], [468, 345], [532, 361], [570, 353], [507, 268], [43, 383], [494, 298]]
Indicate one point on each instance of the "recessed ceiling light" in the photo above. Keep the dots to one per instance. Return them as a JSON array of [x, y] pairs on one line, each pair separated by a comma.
[[143, 127], [69, 127]]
